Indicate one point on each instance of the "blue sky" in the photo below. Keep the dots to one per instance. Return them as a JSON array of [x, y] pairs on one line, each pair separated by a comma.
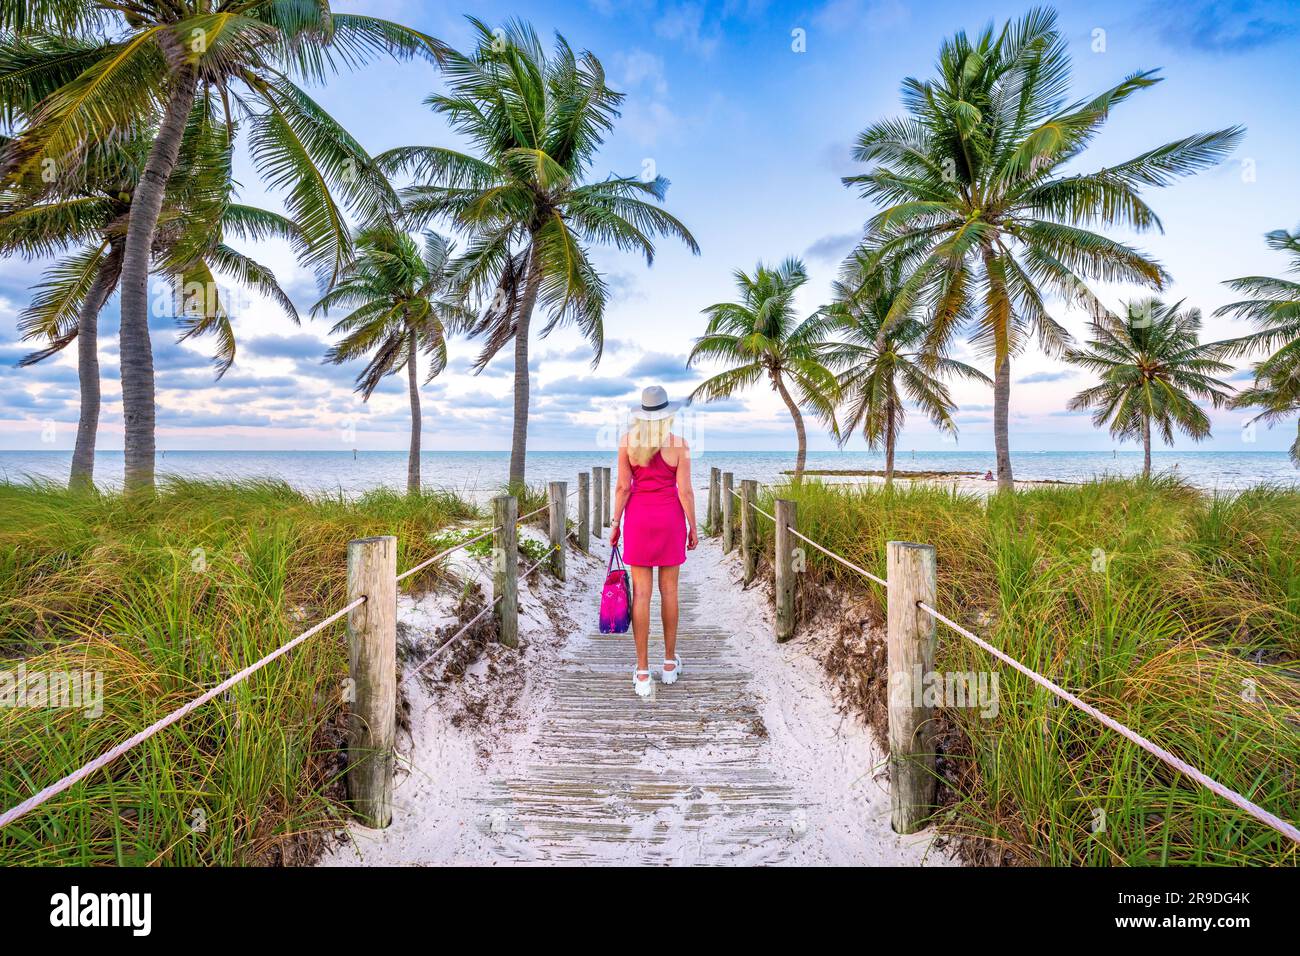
[[754, 137]]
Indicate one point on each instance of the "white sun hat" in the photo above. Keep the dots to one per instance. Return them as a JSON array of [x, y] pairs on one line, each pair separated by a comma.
[[654, 405]]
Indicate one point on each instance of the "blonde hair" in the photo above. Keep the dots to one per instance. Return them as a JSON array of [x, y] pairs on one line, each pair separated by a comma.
[[645, 437]]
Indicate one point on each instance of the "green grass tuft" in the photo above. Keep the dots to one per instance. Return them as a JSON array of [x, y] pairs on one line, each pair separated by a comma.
[[1174, 612], [166, 597]]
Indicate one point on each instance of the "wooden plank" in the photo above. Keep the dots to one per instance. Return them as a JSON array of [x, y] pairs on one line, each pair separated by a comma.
[[785, 570], [557, 499], [684, 777], [605, 498], [584, 511], [911, 644], [728, 513], [372, 667], [749, 528], [505, 568], [713, 513]]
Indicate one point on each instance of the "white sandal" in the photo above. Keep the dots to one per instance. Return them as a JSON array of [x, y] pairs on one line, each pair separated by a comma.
[[670, 676], [643, 687]]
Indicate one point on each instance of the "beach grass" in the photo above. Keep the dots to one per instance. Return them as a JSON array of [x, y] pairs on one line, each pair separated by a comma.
[[165, 597], [1172, 611]]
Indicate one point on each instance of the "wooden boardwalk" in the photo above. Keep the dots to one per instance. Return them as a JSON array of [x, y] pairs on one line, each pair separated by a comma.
[[681, 777], [745, 760]]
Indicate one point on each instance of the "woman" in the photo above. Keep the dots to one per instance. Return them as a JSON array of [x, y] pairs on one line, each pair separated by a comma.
[[654, 491]]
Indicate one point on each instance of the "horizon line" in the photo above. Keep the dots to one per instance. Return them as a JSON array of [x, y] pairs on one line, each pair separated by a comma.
[[731, 451]]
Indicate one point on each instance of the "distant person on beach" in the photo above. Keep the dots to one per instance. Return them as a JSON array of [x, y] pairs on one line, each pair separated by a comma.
[[988, 475], [654, 491]]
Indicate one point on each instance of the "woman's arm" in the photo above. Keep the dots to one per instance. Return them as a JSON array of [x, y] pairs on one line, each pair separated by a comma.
[[622, 491], [686, 494]]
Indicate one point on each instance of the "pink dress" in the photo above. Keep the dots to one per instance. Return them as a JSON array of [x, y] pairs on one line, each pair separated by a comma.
[[654, 524]]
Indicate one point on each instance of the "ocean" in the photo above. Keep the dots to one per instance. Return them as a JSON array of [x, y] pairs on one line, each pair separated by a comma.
[[479, 474]]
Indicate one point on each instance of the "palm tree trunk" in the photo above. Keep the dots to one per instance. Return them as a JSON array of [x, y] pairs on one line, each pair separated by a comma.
[[802, 456], [890, 439], [1146, 446], [83, 455], [136, 351], [999, 307], [519, 437], [413, 461], [1001, 414]]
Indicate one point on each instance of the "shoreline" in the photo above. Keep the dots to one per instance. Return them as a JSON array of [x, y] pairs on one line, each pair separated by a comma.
[[480, 475], [964, 481]]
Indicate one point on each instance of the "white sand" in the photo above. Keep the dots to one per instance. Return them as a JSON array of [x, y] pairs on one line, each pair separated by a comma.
[[828, 757], [468, 736]]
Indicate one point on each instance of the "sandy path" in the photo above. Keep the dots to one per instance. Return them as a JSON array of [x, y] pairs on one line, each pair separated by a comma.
[[744, 760]]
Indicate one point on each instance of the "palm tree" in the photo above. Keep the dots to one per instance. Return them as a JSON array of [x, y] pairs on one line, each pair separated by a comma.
[[877, 354], [1152, 366], [1277, 391], [535, 123], [404, 300], [1274, 305], [88, 229], [760, 336], [148, 62], [976, 202]]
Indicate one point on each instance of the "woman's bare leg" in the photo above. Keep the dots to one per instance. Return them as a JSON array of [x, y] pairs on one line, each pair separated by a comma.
[[642, 585], [668, 606]]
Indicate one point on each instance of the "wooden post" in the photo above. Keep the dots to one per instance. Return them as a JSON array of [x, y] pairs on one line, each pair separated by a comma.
[[557, 497], [505, 568], [911, 643], [597, 521], [712, 515], [605, 499], [584, 511], [749, 528], [372, 666], [728, 513], [785, 569]]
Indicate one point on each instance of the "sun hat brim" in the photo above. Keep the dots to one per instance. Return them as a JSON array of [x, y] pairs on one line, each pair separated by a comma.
[[658, 414]]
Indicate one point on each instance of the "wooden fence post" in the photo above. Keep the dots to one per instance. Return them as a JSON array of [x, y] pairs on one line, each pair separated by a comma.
[[372, 666], [711, 516], [728, 513], [749, 528], [557, 492], [597, 510], [605, 499], [910, 644], [786, 572], [584, 511], [505, 568]]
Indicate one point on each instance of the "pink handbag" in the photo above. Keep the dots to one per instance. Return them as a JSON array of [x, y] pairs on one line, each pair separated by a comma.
[[615, 597]]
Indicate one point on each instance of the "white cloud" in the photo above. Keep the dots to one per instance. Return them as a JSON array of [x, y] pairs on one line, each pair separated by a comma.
[[684, 23]]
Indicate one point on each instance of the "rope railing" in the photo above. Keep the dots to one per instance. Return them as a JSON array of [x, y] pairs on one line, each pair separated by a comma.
[[376, 558], [477, 617], [824, 550], [1209, 783], [104, 759], [442, 554], [914, 648], [468, 541], [844, 561]]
